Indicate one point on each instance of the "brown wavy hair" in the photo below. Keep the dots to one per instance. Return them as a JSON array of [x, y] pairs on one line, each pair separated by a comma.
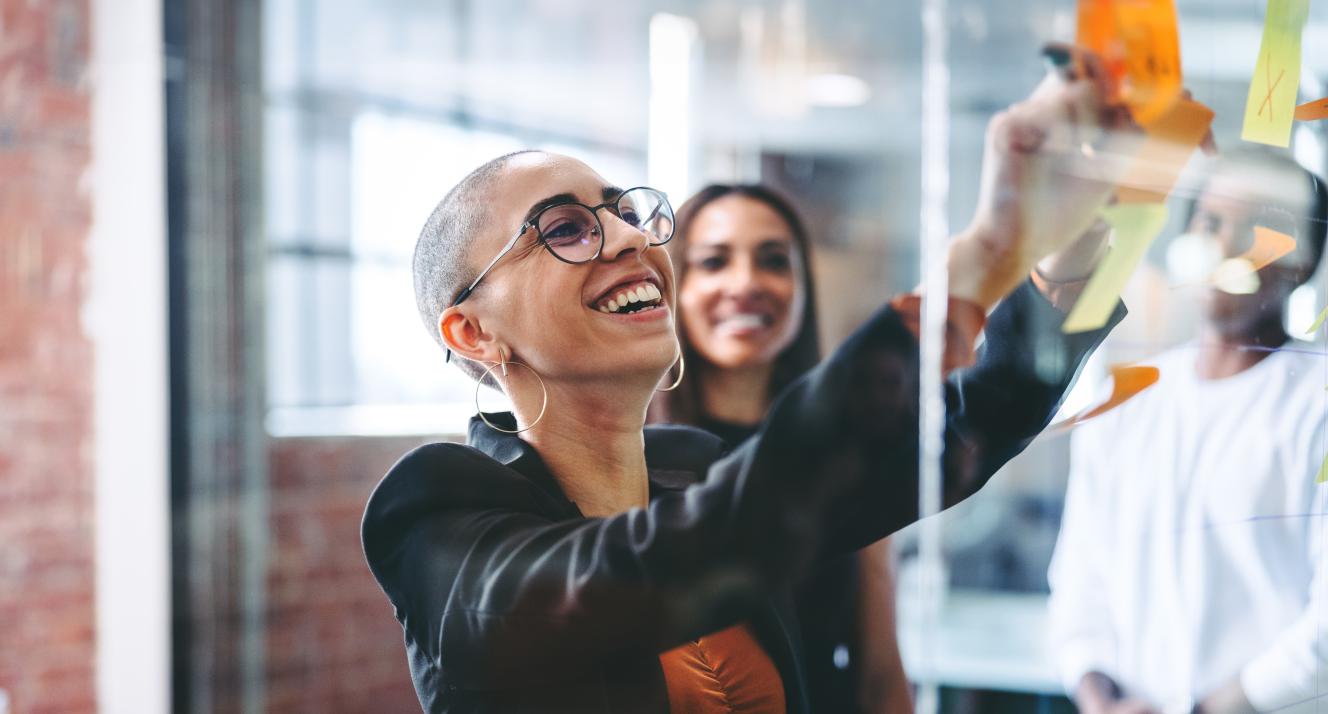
[[685, 405]]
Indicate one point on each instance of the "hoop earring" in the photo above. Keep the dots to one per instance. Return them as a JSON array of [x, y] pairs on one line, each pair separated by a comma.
[[682, 369], [487, 371]]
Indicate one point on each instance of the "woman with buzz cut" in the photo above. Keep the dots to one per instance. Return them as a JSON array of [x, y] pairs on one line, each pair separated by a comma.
[[569, 559]]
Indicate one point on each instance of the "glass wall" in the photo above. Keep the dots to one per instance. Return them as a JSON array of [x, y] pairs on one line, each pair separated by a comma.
[[373, 110], [1162, 542]]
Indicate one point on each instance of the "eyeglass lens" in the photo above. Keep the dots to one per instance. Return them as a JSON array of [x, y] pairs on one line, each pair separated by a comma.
[[574, 233]]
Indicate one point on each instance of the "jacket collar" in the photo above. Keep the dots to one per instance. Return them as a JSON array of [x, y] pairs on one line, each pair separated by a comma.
[[676, 457]]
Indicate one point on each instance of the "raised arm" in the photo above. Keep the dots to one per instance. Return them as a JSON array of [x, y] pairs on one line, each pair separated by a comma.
[[494, 595]]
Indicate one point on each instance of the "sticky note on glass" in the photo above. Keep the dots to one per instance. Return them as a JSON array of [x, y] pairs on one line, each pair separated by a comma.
[[1139, 45], [1271, 103], [1135, 225], [1169, 143], [1323, 473], [1126, 383], [1318, 322], [1312, 111], [1269, 246]]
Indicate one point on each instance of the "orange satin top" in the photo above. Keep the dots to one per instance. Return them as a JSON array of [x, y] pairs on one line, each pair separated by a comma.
[[723, 673]]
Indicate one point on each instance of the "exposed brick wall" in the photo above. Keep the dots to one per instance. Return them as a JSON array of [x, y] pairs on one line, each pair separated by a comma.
[[332, 643], [47, 619]]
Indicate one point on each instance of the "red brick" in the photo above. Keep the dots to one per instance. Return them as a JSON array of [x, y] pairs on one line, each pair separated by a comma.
[[46, 548]]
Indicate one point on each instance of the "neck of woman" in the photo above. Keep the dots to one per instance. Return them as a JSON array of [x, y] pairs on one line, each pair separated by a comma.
[[594, 444], [738, 395]]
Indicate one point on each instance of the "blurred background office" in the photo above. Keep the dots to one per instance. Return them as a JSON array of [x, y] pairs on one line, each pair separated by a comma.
[[209, 351]]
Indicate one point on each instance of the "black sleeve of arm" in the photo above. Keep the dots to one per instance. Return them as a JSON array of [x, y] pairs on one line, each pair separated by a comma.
[[497, 595], [994, 409]]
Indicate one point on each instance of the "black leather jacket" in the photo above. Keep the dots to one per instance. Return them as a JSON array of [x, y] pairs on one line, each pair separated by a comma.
[[511, 601]]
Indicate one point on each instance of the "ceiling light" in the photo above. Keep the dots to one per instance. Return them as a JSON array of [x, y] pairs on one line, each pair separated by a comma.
[[837, 90]]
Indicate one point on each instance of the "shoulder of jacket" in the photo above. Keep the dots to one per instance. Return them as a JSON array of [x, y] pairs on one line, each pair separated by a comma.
[[435, 479]]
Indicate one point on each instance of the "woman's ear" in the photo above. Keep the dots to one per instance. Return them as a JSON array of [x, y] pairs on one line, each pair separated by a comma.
[[462, 334]]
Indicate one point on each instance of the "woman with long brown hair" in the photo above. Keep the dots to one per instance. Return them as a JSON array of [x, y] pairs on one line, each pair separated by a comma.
[[747, 326]]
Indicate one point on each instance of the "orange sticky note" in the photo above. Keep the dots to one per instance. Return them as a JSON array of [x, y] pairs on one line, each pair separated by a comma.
[[1126, 383], [1269, 245], [1312, 111], [1140, 48], [1170, 142]]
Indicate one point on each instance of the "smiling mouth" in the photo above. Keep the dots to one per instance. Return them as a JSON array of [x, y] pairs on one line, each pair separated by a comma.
[[637, 297], [746, 322]]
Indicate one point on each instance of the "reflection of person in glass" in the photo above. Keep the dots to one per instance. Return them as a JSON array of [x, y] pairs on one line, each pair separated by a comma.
[[747, 326], [1189, 570], [569, 559]]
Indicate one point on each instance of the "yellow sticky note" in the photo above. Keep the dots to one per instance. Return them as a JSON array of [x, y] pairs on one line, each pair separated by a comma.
[[1323, 473], [1136, 225], [1271, 104], [1318, 322]]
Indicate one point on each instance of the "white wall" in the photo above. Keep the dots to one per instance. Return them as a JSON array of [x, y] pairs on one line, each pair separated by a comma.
[[126, 318]]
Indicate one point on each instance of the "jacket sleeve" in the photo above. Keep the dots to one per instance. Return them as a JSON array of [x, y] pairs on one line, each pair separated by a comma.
[[496, 596]]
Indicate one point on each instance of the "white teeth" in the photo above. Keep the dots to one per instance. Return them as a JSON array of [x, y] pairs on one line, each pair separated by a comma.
[[745, 322], [643, 293]]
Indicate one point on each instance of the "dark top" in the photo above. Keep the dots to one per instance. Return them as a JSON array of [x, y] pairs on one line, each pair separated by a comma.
[[826, 607], [510, 600]]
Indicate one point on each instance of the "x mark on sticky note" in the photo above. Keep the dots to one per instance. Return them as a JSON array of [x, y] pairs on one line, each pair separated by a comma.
[[1272, 87]]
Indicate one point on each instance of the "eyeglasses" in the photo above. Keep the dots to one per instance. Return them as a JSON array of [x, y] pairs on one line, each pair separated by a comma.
[[572, 231]]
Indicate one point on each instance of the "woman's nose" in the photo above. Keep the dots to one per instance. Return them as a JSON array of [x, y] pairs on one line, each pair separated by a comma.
[[621, 238], [743, 277]]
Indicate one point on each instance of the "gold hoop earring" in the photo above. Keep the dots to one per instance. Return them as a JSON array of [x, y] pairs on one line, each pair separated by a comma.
[[682, 369], [487, 371]]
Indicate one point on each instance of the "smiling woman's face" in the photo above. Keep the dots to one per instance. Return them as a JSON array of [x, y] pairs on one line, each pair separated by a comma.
[[742, 298], [566, 320]]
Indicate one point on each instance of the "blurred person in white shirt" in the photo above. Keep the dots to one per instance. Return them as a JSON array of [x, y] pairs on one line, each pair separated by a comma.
[[1189, 573]]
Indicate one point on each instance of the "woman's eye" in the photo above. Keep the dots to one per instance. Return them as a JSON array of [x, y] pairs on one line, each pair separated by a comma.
[[565, 232], [630, 217], [776, 262], [712, 262]]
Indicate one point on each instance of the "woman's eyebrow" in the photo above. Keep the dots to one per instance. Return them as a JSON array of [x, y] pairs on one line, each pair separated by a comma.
[[542, 204], [608, 193]]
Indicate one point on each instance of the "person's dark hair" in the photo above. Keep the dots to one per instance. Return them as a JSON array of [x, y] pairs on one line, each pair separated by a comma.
[[442, 266], [1311, 228], [684, 405]]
